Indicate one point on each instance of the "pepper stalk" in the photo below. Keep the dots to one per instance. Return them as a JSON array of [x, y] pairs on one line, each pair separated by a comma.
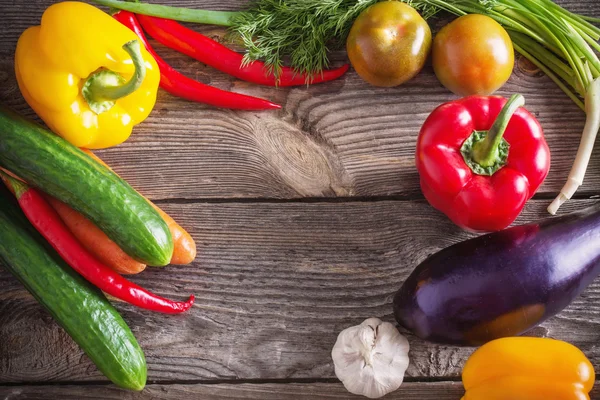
[[103, 88], [485, 152]]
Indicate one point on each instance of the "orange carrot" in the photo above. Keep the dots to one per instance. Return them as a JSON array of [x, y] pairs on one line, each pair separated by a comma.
[[94, 240], [184, 247]]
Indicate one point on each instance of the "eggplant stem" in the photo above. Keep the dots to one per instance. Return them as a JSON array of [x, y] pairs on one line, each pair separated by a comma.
[[588, 137]]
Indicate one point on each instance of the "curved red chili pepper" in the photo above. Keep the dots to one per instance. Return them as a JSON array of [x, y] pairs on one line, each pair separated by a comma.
[[181, 86], [189, 42], [48, 223]]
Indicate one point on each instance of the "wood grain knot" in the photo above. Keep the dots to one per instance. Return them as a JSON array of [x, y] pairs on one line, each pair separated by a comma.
[[527, 67], [311, 169]]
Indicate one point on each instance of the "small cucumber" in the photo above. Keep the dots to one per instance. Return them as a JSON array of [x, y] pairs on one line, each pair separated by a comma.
[[79, 308], [60, 169]]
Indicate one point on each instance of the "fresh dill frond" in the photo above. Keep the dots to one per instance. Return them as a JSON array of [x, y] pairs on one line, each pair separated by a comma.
[[303, 30]]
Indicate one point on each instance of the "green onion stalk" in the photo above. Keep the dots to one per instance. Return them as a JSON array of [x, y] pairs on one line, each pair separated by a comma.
[[560, 43]]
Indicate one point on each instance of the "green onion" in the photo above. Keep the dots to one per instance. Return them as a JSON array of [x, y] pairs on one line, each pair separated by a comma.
[[209, 17], [592, 124]]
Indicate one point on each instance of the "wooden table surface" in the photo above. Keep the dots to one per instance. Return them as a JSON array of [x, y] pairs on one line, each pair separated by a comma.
[[307, 221]]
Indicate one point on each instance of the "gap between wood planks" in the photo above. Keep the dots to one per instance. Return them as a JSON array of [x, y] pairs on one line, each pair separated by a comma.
[[442, 390], [408, 379], [348, 199]]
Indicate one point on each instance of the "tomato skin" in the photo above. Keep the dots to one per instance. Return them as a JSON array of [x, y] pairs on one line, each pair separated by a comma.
[[473, 55], [388, 43]]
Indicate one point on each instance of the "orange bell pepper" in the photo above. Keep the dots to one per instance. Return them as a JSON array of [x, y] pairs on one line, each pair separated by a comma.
[[527, 368]]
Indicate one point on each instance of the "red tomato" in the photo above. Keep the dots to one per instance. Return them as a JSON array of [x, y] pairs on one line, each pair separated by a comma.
[[388, 43], [473, 55]]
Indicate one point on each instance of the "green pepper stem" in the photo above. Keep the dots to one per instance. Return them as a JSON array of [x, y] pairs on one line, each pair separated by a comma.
[[14, 185], [99, 90], [485, 152]]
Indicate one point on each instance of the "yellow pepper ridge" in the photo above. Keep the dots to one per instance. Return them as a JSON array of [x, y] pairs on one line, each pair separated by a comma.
[[86, 75], [528, 368]]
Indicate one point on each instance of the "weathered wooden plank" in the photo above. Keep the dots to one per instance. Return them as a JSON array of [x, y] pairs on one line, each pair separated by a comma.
[[275, 284], [344, 138], [265, 391]]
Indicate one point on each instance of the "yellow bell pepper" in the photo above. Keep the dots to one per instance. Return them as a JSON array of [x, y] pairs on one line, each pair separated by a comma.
[[86, 75], [527, 368]]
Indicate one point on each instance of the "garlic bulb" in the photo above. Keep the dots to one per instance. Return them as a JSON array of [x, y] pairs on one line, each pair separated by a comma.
[[370, 359]]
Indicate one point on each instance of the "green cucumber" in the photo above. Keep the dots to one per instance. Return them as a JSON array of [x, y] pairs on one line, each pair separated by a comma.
[[60, 169], [81, 309]]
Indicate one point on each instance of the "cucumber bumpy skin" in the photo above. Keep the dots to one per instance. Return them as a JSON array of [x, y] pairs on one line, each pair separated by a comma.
[[79, 308], [60, 169]]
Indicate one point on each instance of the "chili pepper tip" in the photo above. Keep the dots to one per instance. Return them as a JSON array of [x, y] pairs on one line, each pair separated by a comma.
[[187, 304], [274, 106]]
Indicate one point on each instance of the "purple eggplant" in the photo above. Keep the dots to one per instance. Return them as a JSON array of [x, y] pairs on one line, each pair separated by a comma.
[[503, 283]]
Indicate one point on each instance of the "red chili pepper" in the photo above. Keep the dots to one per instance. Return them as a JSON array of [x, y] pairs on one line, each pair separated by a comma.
[[181, 86], [207, 51], [43, 217], [480, 159]]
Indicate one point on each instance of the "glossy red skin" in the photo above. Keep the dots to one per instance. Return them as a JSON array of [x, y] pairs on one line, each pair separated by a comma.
[[476, 202], [48, 223], [176, 36], [181, 86]]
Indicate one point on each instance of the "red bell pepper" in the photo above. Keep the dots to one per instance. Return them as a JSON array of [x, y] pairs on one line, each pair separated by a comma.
[[480, 159]]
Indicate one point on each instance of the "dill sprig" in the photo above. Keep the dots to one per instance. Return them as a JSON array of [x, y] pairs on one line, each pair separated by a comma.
[[303, 30]]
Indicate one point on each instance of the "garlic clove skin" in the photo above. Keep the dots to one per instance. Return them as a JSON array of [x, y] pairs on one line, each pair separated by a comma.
[[371, 358]]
